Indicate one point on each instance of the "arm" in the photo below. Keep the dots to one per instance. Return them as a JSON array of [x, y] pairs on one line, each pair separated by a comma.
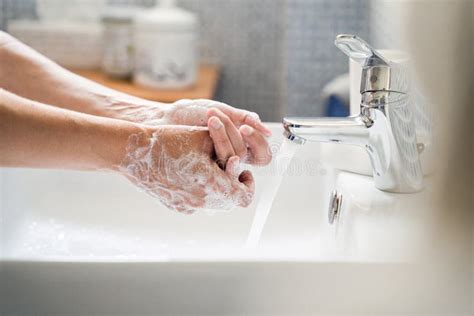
[[26, 72], [42, 136]]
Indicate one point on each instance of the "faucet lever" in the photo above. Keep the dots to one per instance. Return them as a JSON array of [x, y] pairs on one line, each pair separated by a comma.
[[378, 74], [358, 50]]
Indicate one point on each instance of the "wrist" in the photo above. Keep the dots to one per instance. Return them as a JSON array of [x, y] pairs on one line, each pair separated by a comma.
[[133, 109], [118, 140]]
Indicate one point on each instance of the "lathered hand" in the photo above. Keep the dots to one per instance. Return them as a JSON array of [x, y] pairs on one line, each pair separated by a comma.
[[175, 164], [243, 135]]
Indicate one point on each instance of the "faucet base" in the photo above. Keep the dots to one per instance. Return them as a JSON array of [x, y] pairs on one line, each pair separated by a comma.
[[296, 139]]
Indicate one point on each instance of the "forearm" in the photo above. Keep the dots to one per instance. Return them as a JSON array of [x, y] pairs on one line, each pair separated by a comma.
[[41, 136], [25, 72]]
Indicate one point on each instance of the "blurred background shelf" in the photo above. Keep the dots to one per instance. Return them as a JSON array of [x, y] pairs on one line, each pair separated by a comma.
[[277, 61], [204, 88]]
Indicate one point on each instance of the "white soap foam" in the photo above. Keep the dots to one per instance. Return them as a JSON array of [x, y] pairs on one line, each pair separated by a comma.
[[281, 160], [184, 184]]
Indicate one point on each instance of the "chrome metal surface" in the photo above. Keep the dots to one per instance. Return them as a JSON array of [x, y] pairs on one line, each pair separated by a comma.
[[385, 126], [294, 138], [335, 204], [378, 74]]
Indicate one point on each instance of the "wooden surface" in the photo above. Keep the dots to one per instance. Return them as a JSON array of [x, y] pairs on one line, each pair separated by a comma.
[[204, 88]]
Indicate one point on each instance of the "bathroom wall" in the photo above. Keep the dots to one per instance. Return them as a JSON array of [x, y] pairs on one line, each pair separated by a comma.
[[2, 18], [387, 22], [472, 172], [16, 9], [312, 58], [247, 38], [276, 54], [439, 39]]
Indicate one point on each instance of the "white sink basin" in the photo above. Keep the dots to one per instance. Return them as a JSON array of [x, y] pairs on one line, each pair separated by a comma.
[[87, 216], [83, 241]]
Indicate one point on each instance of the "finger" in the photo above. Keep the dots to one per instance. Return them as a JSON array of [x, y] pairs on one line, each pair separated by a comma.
[[222, 144], [232, 132], [238, 116], [259, 151], [247, 179], [185, 210], [241, 190], [241, 117], [248, 182], [232, 167]]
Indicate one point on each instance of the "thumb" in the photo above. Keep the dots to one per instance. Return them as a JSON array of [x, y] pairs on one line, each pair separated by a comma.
[[247, 186]]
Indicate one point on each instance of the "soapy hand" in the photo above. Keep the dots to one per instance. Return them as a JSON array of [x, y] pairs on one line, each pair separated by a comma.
[[234, 131], [176, 165]]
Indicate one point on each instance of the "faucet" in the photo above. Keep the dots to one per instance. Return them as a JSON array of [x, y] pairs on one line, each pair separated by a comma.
[[385, 126]]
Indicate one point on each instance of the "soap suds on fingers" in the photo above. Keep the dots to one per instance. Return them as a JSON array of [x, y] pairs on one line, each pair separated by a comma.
[[174, 165]]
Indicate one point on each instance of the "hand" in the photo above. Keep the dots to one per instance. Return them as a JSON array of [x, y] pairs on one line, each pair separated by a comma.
[[175, 164], [243, 134], [196, 112]]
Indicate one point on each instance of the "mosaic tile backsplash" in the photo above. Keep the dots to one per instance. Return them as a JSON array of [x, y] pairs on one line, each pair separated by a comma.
[[277, 55]]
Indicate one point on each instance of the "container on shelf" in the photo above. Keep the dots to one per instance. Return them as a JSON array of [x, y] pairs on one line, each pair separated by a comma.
[[117, 59], [165, 47]]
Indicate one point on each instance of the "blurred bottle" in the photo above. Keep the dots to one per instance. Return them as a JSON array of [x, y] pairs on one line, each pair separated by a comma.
[[117, 60], [166, 47]]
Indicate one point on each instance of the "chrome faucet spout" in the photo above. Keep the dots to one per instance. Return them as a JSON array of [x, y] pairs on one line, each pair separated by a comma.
[[349, 130], [385, 126]]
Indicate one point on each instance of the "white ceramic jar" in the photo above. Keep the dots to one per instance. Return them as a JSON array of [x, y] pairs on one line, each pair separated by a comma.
[[165, 47], [117, 59]]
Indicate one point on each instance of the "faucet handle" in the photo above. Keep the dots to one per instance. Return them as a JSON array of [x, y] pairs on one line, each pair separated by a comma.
[[358, 50], [378, 74]]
